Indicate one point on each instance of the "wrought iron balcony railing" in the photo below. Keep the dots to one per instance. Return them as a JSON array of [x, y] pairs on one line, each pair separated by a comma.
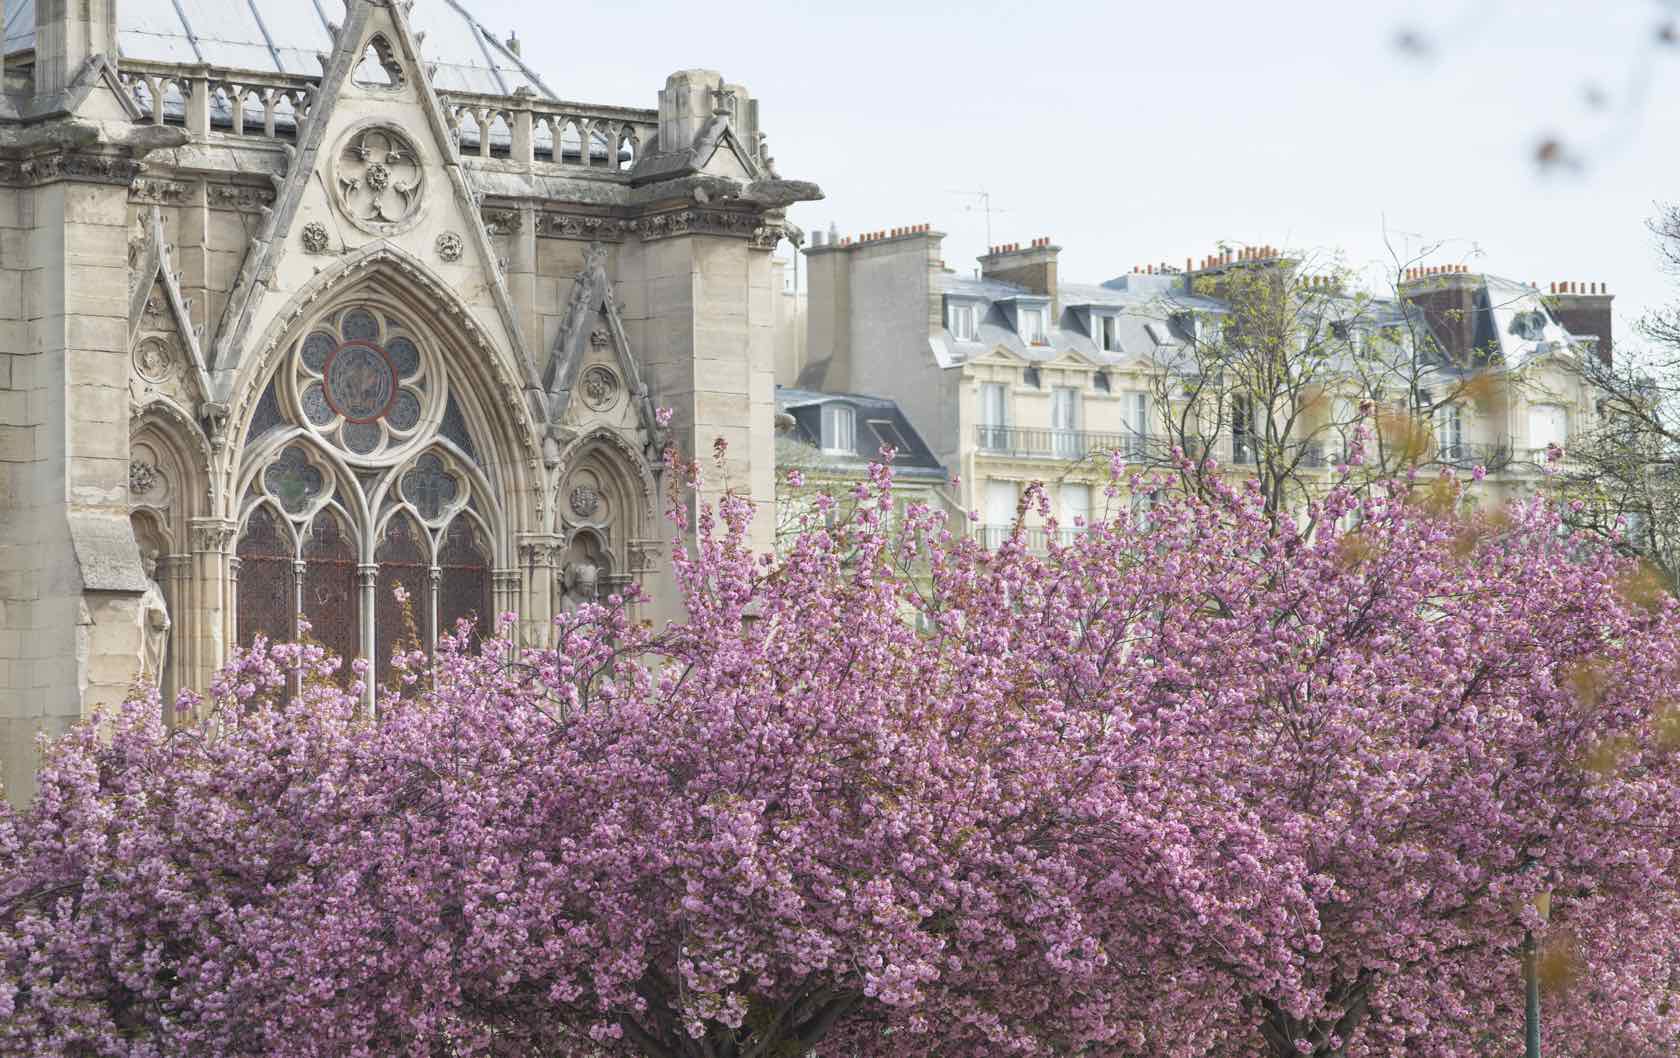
[[1061, 444], [1467, 455]]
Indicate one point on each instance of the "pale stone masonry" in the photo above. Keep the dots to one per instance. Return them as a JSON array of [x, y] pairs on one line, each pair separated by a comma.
[[291, 320], [1017, 376]]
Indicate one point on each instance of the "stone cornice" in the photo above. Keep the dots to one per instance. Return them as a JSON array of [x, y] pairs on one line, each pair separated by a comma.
[[77, 166]]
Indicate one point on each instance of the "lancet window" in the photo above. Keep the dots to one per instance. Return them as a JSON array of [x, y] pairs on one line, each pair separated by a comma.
[[368, 509]]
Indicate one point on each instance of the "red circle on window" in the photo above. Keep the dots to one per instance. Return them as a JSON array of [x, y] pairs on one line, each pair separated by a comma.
[[359, 381]]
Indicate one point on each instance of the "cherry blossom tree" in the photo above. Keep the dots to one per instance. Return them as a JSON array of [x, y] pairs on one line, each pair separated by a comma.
[[1196, 787]]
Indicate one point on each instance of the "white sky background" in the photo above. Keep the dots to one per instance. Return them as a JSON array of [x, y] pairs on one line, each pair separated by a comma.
[[1136, 132]]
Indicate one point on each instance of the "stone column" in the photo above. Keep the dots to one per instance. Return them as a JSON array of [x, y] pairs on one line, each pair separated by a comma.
[[429, 629], [210, 628], [538, 552], [367, 580], [506, 588]]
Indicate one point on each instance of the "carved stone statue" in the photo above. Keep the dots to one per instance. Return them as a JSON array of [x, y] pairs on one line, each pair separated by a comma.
[[582, 584], [154, 622]]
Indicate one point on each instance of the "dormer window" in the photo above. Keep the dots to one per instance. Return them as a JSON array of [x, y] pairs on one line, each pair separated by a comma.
[[1106, 331], [1529, 326], [1033, 326], [839, 429], [959, 320]]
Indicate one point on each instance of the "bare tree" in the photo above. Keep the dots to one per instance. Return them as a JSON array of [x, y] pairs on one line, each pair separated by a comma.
[[1622, 476], [1275, 363]]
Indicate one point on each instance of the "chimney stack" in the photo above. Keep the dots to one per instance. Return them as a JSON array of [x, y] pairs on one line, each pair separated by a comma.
[[1584, 309], [1033, 268]]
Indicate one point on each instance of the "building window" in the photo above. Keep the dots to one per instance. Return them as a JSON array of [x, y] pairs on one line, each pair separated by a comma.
[[960, 320], [1033, 326], [1076, 509], [1101, 382], [1548, 424], [1064, 422], [1033, 378], [1344, 419], [366, 390], [1108, 334], [1242, 430], [1135, 414], [994, 416], [1001, 499], [1449, 432], [839, 429]]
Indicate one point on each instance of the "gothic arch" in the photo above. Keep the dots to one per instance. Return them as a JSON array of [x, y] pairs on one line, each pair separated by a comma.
[[605, 508], [485, 375]]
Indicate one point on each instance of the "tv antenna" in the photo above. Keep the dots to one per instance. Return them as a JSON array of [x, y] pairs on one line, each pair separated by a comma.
[[985, 207]]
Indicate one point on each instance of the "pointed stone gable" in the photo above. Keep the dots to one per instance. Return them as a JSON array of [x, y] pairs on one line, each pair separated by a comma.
[[166, 360], [376, 167], [592, 378]]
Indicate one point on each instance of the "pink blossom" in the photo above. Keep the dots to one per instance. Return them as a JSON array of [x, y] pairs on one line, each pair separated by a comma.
[[1198, 788]]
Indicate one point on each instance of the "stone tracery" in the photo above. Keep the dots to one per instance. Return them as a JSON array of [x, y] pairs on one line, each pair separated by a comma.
[[362, 488]]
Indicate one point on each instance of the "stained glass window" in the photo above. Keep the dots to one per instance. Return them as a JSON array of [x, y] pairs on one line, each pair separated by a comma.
[[430, 487], [402, 561], [331, 600], [266, 594], [361, 381], [464, 588], [293, 481]]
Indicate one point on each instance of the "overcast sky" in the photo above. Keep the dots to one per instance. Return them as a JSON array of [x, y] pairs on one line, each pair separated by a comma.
[[1132, 132]]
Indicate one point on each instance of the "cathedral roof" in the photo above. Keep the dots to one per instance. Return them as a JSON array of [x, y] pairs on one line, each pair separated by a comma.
[[285, 35]]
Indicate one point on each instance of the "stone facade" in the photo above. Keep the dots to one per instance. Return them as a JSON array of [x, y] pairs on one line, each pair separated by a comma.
[[1018, 376], [346, 334]]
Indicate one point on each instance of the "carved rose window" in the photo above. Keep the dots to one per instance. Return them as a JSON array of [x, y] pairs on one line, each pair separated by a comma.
[[379, 179], [362, 382]]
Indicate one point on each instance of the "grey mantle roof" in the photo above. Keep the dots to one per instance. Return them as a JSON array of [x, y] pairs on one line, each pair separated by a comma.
[[879, 421], [284, 36]]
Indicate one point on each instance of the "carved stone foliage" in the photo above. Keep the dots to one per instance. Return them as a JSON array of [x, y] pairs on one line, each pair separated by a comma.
[[379, 180], [586, 495], [501, 221], [600, 387], [81, 166], [142, 477], [245, 198], [152, 190], [314, 237], [449, 246], [748, 225], [585, 500], [584, 226]]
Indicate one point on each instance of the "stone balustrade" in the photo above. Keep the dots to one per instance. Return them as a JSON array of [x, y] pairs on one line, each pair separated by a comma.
[[522, 128]]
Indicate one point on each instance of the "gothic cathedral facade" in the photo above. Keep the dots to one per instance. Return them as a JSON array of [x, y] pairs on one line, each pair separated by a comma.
[[278, 342]]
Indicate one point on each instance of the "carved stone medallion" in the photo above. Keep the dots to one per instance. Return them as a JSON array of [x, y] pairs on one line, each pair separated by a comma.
[[153, 360], [359, 382], [449, 246], [585, 501], [142, 477], [600, 388], [314, 237], [379, 180]]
